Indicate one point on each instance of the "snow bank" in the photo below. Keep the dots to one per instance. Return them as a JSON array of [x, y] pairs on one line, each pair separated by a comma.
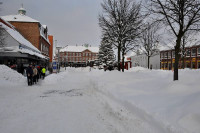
[[7, 74], [175, 104]]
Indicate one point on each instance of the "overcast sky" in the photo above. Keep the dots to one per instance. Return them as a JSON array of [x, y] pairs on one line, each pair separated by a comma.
[[70, 21]]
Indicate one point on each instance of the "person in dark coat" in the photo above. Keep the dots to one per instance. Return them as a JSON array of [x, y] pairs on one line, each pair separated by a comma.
[[29, 72]]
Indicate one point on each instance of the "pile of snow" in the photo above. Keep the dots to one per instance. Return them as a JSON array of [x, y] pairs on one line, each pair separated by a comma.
[[136, 69], [10, 75], [80, 100]]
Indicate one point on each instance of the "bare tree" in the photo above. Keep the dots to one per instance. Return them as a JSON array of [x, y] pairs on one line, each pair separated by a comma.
[[180, 16], [120, 24], [149, 40]]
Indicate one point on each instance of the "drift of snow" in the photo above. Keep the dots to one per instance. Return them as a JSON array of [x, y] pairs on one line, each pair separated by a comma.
[[80, 100], [7, 74]]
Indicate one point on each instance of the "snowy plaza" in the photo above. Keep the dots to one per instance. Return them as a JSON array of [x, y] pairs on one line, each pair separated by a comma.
[[99, 66], [79, 100]]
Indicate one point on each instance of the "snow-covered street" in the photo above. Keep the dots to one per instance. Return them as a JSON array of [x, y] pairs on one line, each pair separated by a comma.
[[77, 100]]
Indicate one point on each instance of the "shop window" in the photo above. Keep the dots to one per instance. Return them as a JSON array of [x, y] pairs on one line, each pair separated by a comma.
[[169, 66], [173, 65], [194, 52], [187, 64], [199, 65], [194, 65], [169, 55], [188, 52], [166, 66], [198, 51]]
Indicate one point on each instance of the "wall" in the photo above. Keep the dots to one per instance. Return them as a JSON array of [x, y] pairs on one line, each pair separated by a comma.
[[30, 31], [142, 60], [155, 61], [51, 48]]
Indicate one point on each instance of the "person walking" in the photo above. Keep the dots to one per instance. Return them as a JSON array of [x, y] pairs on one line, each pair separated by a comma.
[[39, 71], [43, 72], [35, 73], [29, 72]]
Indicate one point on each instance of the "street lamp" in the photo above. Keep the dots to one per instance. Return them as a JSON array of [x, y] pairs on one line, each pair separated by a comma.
[[58, 48]]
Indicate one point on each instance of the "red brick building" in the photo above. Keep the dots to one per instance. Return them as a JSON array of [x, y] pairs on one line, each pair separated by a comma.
[[190, 60], [78, 55], [32, 30]]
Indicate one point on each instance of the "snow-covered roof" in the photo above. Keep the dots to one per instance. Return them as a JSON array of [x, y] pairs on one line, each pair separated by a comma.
[[19, 18], [79, 49], [25, 45]]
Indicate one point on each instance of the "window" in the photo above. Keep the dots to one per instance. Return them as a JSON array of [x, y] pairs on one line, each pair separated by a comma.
[[165, 55], [193, 65], [83, 54], [187, 64], [166, 66], [169, 54], [173, 54], [169, 66], [194, 52], [162, 65], [198, 51], [188, 52], [161, 55]]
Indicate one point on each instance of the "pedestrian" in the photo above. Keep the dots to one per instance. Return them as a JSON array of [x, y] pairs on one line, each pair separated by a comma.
[[39, 71], [35, 73], [43, 72], [29, 72]]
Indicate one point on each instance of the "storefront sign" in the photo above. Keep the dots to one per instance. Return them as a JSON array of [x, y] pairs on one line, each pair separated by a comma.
[[54, 67]]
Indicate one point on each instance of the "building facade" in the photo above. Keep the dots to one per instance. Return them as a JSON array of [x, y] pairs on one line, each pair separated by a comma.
[[191, 59], [142, 60], [32, 30], [15, 51], [78, 55]]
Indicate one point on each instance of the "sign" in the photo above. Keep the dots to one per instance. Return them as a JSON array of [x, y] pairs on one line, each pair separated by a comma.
[[54, 66]]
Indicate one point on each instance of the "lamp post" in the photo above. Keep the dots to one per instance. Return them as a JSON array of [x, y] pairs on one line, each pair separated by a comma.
[[58, 48]]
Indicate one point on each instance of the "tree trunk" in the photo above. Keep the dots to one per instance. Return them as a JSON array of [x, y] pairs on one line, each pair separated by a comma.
[[148, 61], [183, 61], [119, 57], [177, 50], [123, 61]]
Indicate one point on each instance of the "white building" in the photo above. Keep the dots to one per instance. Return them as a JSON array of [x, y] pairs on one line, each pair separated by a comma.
[[142, 60]]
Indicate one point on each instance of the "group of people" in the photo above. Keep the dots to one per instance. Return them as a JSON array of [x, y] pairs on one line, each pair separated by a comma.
[[34, 73]]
